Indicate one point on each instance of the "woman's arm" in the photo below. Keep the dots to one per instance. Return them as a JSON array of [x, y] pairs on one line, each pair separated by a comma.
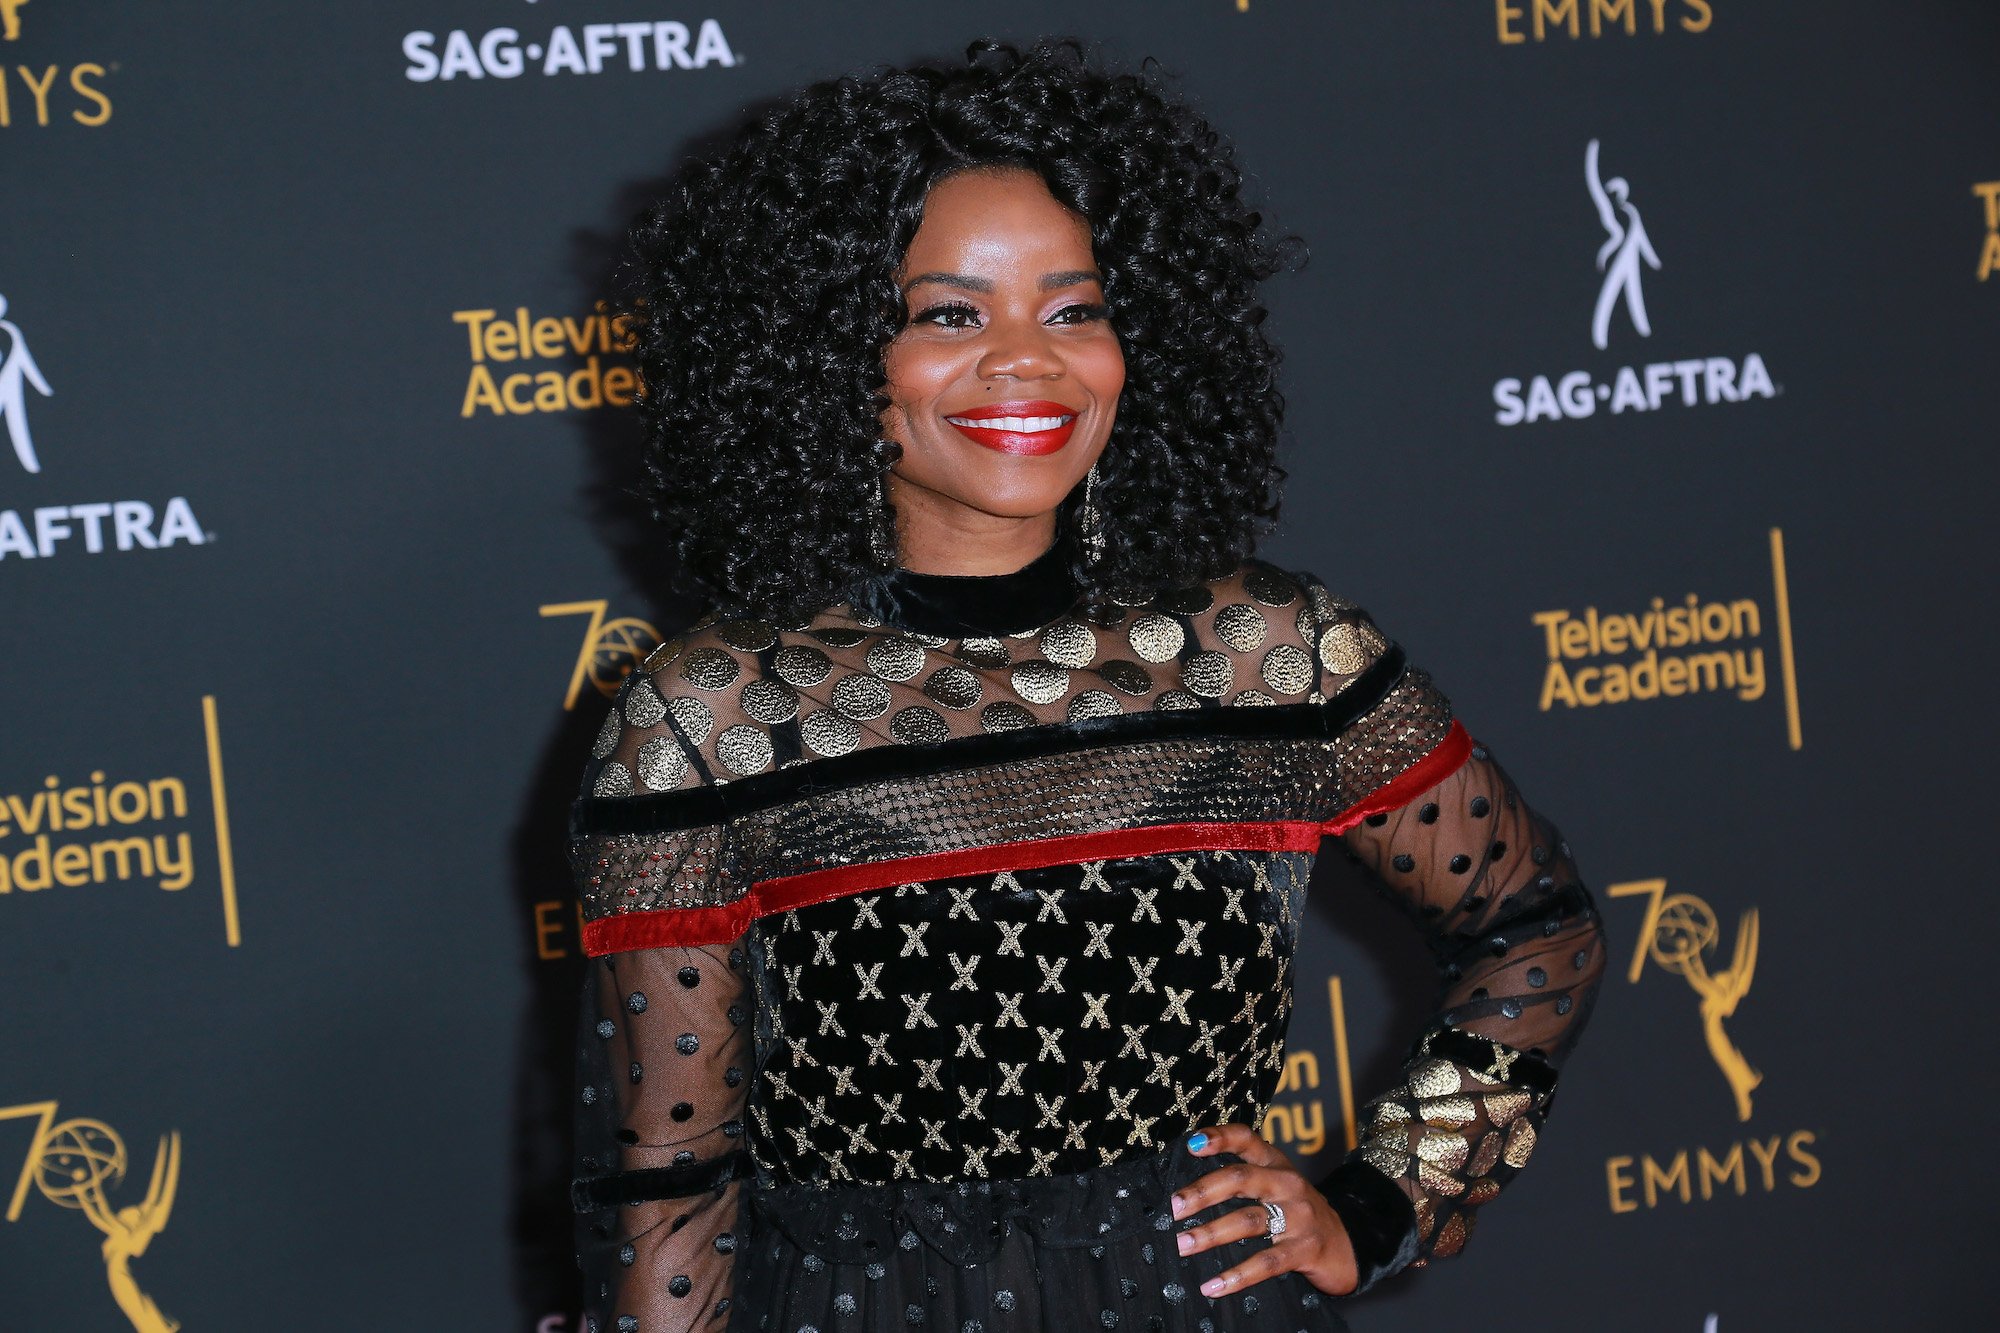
[[1520, 949], [665, 1049]]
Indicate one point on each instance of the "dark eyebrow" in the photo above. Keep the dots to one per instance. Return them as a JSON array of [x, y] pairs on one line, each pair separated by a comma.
[[1068, 277]]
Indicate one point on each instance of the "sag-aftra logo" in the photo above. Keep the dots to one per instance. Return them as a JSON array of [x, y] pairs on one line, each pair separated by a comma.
[[93, 527], [1619, 314]]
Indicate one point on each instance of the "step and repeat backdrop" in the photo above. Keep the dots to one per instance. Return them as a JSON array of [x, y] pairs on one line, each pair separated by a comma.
[[1644, 381]]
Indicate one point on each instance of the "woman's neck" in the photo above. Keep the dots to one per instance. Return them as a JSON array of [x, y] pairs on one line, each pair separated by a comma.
[[939, 536], [1009, 599]]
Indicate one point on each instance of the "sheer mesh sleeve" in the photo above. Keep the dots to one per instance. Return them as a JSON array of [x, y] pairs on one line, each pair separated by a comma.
[[664, 1049], [1520, 948]]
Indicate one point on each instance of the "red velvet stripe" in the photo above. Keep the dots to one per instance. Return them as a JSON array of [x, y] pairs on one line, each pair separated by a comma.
[[1440, 763], [818, 886], [668, 925], [719, 925]]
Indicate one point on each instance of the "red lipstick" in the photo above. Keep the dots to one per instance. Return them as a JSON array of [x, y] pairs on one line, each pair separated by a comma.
[[1027, 426]]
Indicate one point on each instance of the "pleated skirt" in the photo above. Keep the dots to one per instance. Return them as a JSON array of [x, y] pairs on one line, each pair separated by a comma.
[[1092, 1250]]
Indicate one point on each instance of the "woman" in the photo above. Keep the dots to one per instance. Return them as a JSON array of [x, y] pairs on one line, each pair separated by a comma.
[[941, 884]]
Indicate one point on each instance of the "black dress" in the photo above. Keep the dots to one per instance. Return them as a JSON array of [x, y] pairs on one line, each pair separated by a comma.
[[924, 932]]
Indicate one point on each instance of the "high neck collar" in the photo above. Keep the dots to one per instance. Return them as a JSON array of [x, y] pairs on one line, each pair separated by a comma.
[[960, 606]]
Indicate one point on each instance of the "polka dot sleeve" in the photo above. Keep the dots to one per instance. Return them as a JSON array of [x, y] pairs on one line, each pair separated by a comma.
[[664, 1064], [1521, 950]]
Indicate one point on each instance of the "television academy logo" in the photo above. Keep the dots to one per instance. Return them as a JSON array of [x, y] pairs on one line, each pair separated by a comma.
[[1624, 257], [1988, 193], [37, 534]]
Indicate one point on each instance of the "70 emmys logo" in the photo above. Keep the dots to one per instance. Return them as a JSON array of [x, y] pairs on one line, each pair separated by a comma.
[[611, 648], [1680, 934], [39, 84], [75, 1164]]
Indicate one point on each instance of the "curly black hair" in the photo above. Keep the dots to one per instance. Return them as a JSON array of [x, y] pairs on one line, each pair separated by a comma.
[[760, 296]]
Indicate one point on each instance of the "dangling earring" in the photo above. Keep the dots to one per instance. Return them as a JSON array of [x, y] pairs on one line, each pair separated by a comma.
[[882, 525], [1090, 520]]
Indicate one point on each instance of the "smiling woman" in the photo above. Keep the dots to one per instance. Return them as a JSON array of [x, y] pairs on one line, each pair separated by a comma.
[[1005, 301], [942, 881]]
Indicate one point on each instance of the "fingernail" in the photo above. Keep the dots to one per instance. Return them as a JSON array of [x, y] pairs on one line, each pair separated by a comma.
[[1212, 1287], [1196, 1142], [1178, 1204], [1185, 1241]]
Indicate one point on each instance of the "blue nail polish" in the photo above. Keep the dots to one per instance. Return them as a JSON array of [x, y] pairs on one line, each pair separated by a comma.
[[1197, 1142]]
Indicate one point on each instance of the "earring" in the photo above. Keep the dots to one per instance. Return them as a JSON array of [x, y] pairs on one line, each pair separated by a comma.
[[1090, 519], [882, 525]]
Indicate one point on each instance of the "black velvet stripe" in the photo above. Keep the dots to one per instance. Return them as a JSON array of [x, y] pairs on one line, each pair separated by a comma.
[[1527, 1070], [657, 1182], [695, 806], [1381, 1221]]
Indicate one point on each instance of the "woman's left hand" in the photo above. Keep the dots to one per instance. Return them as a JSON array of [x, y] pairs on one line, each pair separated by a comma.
[[1314, 1243]]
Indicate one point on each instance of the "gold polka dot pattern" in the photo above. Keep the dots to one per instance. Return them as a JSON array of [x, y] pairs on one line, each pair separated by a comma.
[[770, 701], [862, 698], [662, 764], [953, 687], [1069, 643], [1156, 638], [747, 636], [829, 733], [1240, 626], [896, 659], [694, 717], [732, 698], [744, 749], [801, 666], [643, 706], [710, 669]]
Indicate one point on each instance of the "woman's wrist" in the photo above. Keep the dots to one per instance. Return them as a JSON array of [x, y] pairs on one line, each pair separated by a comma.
[[1380, 1220]]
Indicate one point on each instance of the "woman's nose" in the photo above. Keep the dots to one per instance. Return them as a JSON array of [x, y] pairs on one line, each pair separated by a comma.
[[1020, 350]]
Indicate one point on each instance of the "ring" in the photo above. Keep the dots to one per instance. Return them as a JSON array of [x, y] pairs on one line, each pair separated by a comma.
[[1275, 1225]]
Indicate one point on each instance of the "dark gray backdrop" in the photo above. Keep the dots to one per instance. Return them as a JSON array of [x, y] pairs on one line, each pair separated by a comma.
[[239, 285]]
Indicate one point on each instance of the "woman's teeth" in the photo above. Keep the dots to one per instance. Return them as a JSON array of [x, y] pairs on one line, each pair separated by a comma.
[[1010, 423]]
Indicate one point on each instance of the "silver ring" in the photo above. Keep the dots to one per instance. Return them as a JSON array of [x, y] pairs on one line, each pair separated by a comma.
[[1274, 1225]]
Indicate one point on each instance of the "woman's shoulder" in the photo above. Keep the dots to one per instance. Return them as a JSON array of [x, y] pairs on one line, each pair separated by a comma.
[[684, 710], [1340, 633]]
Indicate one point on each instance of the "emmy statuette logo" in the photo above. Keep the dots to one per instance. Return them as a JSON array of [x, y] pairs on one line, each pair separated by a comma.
[[611, 648], [1678, 935], [79, 1164]]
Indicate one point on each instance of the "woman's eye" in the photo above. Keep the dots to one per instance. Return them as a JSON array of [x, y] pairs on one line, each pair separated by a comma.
[[943, 315], [1084, 313]]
